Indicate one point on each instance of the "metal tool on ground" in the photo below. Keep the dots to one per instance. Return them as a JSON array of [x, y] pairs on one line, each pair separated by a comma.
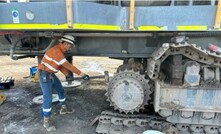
[[94, 120], [2, 98], [74, 83], [6, 83], [39, 99]]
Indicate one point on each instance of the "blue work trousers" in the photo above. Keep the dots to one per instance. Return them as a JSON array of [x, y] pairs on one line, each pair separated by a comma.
[[48, 82]]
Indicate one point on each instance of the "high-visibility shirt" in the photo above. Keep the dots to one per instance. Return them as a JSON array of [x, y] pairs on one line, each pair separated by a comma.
[[54, 60]]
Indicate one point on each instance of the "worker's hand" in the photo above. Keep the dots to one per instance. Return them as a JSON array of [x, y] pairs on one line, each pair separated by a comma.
[[85, 77]]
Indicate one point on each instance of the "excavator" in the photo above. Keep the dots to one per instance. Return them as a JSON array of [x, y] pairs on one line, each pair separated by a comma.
[[170, 51]]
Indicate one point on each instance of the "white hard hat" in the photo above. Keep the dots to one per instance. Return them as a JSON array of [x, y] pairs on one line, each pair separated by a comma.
[[68, 38]]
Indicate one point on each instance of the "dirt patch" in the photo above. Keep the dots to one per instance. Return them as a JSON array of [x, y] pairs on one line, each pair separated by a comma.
[[19, 115]]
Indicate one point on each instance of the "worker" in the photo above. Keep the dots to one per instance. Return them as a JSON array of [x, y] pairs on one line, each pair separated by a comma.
[[52, 62]]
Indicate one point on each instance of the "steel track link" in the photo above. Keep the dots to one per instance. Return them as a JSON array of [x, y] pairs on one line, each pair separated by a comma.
[[191, 51], [115, 123]]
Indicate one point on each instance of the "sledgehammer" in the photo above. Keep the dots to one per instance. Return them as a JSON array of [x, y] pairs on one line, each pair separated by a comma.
[[105, 76]]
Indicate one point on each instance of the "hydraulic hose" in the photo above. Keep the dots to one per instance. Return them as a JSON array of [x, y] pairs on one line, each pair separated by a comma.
[[12, 49]]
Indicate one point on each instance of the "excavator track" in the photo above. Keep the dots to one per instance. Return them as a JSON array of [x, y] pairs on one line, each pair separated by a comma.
[[116, 123], [191, 51], [111, 122]]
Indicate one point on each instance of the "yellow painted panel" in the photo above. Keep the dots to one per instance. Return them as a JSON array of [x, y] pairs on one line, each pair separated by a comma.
[[191, 28], [152, 28], [96, 27], [60, 26], [33, 26]]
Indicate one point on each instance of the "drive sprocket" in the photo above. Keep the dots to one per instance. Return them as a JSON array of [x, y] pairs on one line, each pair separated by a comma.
[[128, 91]]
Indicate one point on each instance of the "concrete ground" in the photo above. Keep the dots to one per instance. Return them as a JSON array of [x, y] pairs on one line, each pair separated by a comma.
[[19, 115]]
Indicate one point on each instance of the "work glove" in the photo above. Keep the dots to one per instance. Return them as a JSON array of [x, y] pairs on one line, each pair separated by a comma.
[[86, 77], [69, 77]]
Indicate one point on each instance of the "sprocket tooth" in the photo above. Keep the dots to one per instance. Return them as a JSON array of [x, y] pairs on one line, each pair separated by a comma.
[[111, 104], [139, 110], [121, 111], [131, 112], [142, 108], [115, 107], [106, 94]]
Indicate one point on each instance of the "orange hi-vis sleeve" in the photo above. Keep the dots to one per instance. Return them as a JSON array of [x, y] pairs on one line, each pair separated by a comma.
[[64, 70], [54, 60], [70, 67]]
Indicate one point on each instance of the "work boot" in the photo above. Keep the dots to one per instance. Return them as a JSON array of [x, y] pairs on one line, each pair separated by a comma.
[[48, 124], [65, 110]]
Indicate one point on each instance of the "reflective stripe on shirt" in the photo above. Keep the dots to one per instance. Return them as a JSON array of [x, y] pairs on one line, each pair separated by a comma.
[[49, 66], [58, 63]]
